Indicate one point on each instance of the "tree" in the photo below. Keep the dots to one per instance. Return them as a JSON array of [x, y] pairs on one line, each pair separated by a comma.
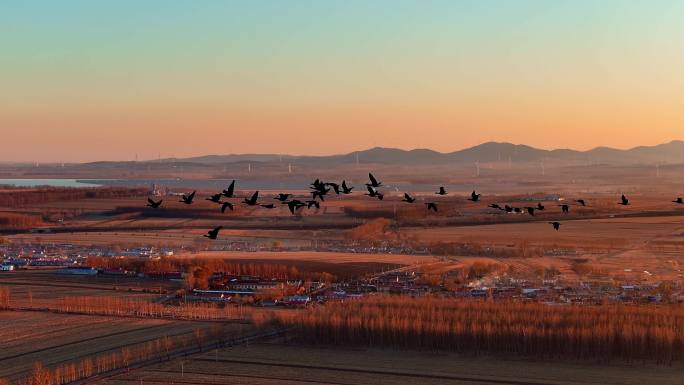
[[40, 375], [4, 298], [199, 337]]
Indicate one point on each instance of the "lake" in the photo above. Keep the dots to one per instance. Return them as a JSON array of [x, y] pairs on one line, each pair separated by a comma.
[[47, 182]]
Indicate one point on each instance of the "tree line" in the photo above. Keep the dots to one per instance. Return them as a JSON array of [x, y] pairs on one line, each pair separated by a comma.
[[129, 307], [133, 307], [200, 270], [19, 221], [575, 332], [21, 197]]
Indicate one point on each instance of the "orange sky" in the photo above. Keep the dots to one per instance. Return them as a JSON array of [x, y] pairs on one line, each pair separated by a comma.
[[91, 82]]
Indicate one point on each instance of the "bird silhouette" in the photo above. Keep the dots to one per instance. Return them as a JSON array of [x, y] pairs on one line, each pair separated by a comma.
[[228, 193], [187, 199], [216, 198], [431, 206], [495, 206], [540, 206], [679, 200], [581, 202], [623, 200], [253, 200], [373, 182], [282, 197], [319, 194], [530, 210], [155, 205], [373, 193], [441, 191], [345, 189], [565, 208], [319, 190], [213, 234], [335, 187], [316, 183], [294, 204], [313, 204], [556, 225], [268, 206], [474, 197], [408, 198], [508, 209], [226, 205]]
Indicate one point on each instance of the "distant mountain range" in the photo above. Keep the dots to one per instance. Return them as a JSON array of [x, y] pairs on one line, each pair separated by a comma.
[[672, 152]]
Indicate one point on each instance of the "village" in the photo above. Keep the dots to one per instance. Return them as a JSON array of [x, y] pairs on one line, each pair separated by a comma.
[[285, 289]]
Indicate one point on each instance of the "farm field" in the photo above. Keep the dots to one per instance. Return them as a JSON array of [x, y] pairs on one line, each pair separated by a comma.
[[277, 363], [42, 288], [650, 247], [331, 257], [53, 339], [609, 233]]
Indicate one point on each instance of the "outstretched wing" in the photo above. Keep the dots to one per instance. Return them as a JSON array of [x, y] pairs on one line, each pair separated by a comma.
[[374, 181]]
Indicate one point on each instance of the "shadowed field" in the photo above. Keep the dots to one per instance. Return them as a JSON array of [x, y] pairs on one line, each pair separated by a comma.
[[281, 364]]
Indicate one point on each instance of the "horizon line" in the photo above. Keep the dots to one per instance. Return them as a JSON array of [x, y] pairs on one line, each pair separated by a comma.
[[338, 154]]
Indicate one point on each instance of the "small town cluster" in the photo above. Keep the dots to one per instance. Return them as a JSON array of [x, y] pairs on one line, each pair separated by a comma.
[[223, 287]]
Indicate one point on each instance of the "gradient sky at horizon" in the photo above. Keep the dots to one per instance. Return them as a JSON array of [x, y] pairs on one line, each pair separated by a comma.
[[106, 80]]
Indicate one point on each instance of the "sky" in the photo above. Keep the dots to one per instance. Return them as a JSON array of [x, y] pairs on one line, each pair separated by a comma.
[[115, 80]]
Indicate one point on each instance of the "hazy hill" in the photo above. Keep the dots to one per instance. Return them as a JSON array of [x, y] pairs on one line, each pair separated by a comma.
[[672, 152]]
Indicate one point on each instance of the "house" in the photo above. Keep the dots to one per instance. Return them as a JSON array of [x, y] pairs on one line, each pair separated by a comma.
[[78, 271], [298, 300], [118, 271], [171, 275]]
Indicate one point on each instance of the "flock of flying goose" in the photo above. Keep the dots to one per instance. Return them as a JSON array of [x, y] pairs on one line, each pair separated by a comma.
[[320, 189]]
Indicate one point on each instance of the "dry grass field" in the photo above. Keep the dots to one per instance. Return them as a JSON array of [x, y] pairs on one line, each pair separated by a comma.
[[615, 246], [617, 241], [277, 363]]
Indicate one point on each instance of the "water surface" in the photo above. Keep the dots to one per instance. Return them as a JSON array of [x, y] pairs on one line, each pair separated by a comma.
[[48, 182]]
